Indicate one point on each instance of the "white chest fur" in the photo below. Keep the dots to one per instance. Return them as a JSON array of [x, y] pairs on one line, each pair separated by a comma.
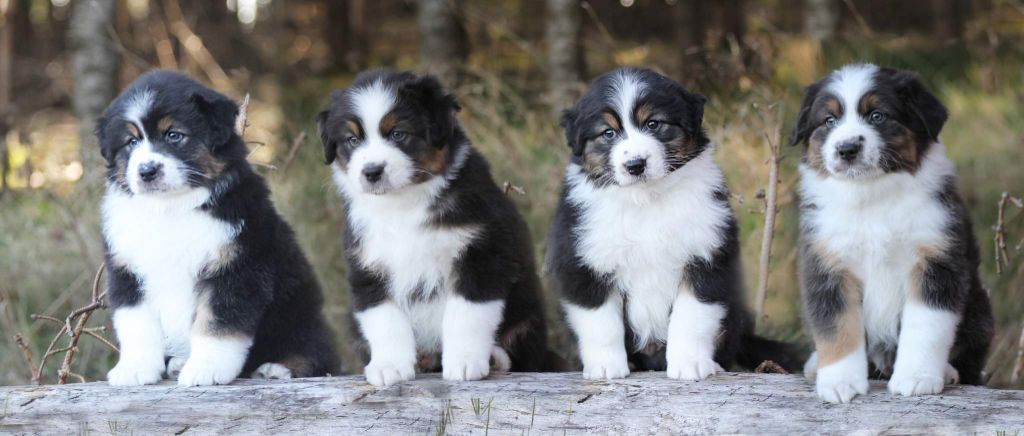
[[395, 238], [165, 242], [878, 228], [644, 235]]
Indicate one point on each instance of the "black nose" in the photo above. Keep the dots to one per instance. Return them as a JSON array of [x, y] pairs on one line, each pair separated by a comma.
[[636, 166], [373, 172], [149, 171], [849, 150]]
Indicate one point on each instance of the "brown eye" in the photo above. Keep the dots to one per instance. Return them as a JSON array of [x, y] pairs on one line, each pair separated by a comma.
[[132, 142]]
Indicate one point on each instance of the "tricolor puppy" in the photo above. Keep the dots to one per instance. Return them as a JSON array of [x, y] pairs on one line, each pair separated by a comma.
[[644, 244], [439, 260], [889, 266], [206, 280]]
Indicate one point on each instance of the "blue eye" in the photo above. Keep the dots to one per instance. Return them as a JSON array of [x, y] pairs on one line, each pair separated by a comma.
[[173, 136], [397, 135], [876, 117], [653, 124], [133, 141], [831, 121], [352, 141], [609, 134]]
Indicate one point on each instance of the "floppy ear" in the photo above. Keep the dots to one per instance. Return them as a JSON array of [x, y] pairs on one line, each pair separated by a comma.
[[803, 128], [572, 131], [695, 103], [330, 150], [106, 150], [440, 107], [922, 103], [220, 114]]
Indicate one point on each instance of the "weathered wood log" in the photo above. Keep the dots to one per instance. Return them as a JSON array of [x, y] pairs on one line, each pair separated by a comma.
[[645, 403]]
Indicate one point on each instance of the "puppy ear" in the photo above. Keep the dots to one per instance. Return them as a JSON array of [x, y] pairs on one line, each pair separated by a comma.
[[922, 104], [440, 107], [330, 150], [695, 109], [106, 149], [572, 131], [220, 114], [803, 128]]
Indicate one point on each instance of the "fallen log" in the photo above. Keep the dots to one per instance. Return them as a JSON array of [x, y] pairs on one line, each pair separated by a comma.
[[564, 403]]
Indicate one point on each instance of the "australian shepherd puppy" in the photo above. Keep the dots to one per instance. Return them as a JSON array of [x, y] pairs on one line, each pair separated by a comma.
[[644, 245], [888, 262], [206, 280], [439, 260]]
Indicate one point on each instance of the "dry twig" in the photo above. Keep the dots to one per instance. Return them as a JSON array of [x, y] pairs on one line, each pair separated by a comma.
[[509, 187], [1018, 365], [292, 150], [770, 204], [1002, 256], [242, 121]]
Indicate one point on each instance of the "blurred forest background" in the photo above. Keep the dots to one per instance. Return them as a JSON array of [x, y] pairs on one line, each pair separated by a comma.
[[514, 65]]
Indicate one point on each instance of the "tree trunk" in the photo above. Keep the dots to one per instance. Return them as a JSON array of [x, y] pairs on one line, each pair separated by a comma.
[[820, 19], [6, 70], [443, 45], [565, 52], [954, 16], [734, 20], [94, 65], [345, 31]]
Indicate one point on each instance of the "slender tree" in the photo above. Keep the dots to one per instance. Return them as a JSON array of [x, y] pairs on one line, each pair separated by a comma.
[[95, 61], [6, 69], [565, 52], [820, 19], [443, 40]]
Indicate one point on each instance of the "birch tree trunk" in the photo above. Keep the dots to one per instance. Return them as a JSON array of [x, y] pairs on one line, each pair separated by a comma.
[[443, 44], [95, 61]]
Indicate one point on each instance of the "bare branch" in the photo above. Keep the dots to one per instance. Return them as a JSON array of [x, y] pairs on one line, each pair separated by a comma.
[[292, 150], [242, 121], [1018, 365], [770, 119]]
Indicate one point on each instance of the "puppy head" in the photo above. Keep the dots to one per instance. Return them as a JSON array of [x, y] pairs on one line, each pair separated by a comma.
[[167, 134], [634, 125], [389, 130], [862, 121]]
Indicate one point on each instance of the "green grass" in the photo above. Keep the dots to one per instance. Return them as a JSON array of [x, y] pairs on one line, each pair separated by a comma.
[[49, 252]]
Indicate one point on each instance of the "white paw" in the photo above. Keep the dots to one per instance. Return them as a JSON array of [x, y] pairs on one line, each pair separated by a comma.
[[811, 366], [607, 365], [135, 373], [206, 372], [952, 375], [174, 365], [692, 368], [465, 368], [271, 370], [387, 374], [837, 386], [909, 385]]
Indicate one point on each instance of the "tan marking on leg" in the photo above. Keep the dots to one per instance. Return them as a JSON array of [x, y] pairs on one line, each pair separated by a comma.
[[849, 329]]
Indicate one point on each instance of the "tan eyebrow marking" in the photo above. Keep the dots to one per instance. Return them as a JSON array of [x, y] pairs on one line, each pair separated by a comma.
[[834, 106], [643, 112], [133, 130], [388, 123], [867, 102], [612, 121], [355, 128], [164, 124]]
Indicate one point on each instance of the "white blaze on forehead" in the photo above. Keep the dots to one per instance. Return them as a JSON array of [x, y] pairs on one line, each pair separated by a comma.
[[634, 143], [371, 104], [625, 91], [138, 107], [850, 83]]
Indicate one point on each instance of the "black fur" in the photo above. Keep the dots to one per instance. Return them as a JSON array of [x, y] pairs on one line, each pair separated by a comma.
[[267, 291], [498, 262]]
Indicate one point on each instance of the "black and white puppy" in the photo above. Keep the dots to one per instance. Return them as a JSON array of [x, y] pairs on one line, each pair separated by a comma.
[[889, 264], [439, 260], [644, 245], [206, 280]]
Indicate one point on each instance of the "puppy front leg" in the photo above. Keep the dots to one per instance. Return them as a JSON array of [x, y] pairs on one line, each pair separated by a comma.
[[832, 301], [692, 330], [467, 337], [138, 332], [218, 347], [392, 344], [602, 338], [927, 331]]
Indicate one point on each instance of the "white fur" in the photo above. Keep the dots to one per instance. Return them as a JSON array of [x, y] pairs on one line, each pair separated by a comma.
[[138, 106], [142, 353], [371, 104], [692, 331], [811, 366], [271, 370], [171, 180], [849, 84], [877, 227], [636, 144], [926, 336], [844, 379], [601, 336], [643, 235], [214, 360], [174, 365], [468, 337], [392, 345], [165, 241]]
